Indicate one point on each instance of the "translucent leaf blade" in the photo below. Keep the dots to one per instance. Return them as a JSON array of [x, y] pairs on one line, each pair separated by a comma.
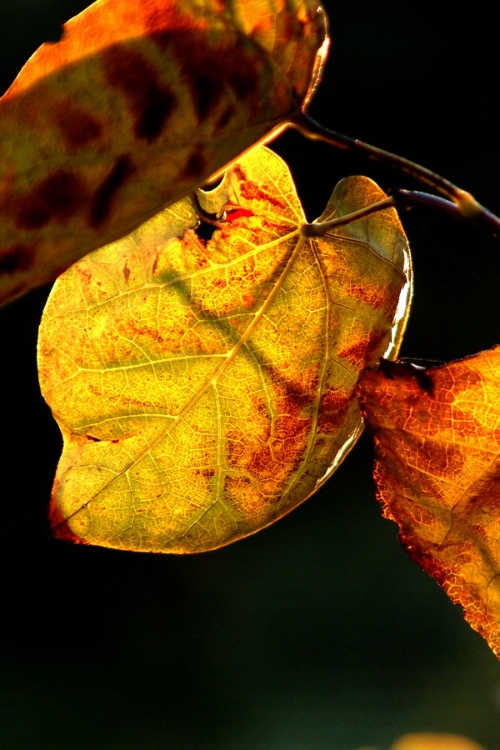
[[438, 470], [204, 389], [435, 741]]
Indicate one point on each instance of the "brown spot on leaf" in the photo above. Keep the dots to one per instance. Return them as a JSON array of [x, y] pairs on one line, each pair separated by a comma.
[[253, 192], [244, 79], [333, 405], [195, 166], [355, 353], [275, 449], [16, 258], [58, 196], [372, 294], [239, 172], [126, 272], [78, 127], [248, 300], [208, 473], [364, 351], [206, 91], [209, 70], [150, 101], [103, 197], [261, 462], [300, 393], [289, 429], [224, 117]]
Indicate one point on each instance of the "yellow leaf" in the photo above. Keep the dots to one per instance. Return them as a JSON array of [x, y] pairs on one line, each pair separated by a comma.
[[138, 104], [206, 388], [434, 741]]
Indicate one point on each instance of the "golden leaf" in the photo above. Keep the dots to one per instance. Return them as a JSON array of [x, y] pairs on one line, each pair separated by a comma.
[[204, 388], [138, 104], [434, 741], [437, 440]]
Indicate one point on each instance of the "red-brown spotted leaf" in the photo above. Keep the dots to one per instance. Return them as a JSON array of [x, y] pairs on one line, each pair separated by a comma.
[[204, 388], [437, 440], [139, 103]]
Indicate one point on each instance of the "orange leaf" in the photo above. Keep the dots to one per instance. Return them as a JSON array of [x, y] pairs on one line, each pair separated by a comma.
[[437, 442], [139, 103]]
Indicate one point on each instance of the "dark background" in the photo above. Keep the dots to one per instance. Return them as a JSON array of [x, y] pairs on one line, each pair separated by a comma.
[[318, 632]]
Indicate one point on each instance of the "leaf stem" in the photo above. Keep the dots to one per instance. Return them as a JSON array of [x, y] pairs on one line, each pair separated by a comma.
[[399, 198], [467, 206], [319, 228], [404, 199]]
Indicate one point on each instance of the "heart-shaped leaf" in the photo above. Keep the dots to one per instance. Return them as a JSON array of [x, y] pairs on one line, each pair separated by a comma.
[[204, 388]]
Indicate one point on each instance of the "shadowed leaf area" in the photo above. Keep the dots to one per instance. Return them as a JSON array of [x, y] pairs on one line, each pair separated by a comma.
[[137, 105], [205, 387], [437, 470]]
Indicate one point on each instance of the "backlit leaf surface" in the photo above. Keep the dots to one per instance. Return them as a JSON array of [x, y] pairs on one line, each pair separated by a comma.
[[140, 102], [435, 741], [205, 388], [432, 741], [437, 437]]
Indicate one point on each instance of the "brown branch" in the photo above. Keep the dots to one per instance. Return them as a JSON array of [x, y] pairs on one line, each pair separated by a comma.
[[400, 199], [466, 205]]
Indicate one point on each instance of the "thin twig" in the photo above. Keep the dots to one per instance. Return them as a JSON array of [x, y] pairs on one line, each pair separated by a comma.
[[319, 228], [400, 199], [466, 204]]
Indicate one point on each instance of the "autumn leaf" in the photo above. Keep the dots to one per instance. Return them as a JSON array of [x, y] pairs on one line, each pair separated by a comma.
[[437, 441], [432, 741], [435, 741], [205, 388], [138, 104]]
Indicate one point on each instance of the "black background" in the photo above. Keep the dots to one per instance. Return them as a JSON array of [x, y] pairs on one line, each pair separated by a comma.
[[318, 632]]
